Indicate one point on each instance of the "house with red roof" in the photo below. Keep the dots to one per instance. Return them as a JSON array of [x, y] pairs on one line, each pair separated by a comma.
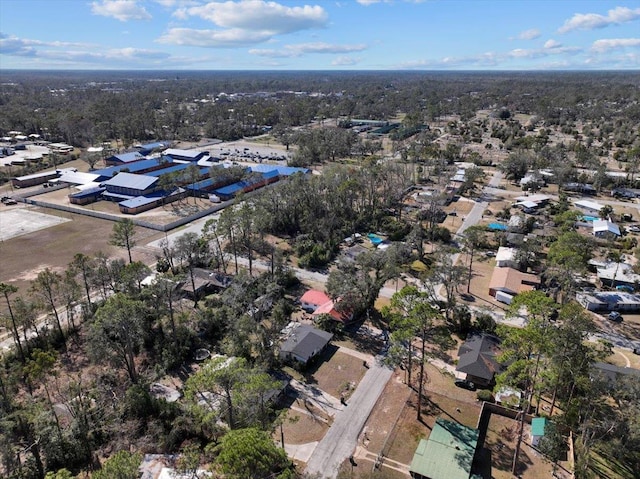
[[317, 303], [312, 299]]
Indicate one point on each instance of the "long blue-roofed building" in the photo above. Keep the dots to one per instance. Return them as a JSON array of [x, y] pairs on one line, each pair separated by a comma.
[[139, 167], [123, 158], [134, 181], [229, 192]]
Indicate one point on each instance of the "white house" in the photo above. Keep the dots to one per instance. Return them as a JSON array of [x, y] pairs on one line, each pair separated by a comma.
[[614, 274], [506, 257], [609, 301], [605, 229], [588, 206], [539, 199]]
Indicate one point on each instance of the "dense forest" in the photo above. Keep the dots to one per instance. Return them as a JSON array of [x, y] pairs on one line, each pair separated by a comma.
[[86, 108]]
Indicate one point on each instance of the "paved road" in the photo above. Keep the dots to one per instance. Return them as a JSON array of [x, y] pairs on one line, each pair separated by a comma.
[[342, 438]]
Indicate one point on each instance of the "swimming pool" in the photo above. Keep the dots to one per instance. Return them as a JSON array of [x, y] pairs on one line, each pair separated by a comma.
[[589, 218], [375, 239], [497, 226]]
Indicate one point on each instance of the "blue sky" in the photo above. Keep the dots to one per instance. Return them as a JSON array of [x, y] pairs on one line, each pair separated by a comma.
[[320, 34]]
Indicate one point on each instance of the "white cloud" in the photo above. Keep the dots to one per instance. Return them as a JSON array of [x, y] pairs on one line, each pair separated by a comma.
[[605, 45], [485, 60], [590, 21], [524, 53], [366, 3], [551, 47], [551, 43], [556, 55], [344, 61], [243, 23], [261, 15], [289, 51], [530, 34], [173, 3], [11, 45], [81, 54], [123, 10], [214, 38]]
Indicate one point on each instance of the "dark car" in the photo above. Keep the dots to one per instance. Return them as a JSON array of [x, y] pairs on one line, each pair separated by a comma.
[[464, 384]]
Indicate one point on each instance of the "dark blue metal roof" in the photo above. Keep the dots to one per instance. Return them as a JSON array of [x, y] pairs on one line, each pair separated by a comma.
[[131, 167], [88, 192], [282, 170], [170, 169], [231, 189], [200, 185]]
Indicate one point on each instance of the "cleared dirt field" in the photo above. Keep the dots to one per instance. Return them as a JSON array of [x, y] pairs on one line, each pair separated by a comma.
[[23, 257], [301, 427], [338, 374], [482, 271]]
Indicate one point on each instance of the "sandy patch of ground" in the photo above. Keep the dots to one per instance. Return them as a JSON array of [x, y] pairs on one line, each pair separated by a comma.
[[20, 221], [339, 373], [25, 256]]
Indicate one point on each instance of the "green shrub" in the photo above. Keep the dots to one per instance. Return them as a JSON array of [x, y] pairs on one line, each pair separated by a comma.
[[484, 395]]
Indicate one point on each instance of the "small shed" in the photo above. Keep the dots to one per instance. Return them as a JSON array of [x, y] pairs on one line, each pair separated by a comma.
[[538, 425]]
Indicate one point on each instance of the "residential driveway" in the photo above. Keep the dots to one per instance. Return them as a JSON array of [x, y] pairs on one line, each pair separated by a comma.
[[342, 438], [300, 452]]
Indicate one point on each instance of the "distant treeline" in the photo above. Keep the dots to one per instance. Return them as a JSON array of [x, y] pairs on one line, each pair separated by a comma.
[[86, 107]]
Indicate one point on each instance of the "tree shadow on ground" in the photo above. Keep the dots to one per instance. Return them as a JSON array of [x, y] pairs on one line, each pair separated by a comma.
[[431, 408], [312, 367]]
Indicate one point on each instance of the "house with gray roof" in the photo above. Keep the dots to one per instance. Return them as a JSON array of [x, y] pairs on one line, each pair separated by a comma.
[[303, 342], [477, 359]]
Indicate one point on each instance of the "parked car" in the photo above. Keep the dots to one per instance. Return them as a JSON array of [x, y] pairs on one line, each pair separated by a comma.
[[465, 384], [625, 287], [614, 316]]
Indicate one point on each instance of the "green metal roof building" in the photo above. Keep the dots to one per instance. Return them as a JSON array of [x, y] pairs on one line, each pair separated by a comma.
[[447, 454], [538, 424]]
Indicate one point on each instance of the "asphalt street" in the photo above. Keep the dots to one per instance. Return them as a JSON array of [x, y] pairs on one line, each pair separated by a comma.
[[341, 439]]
